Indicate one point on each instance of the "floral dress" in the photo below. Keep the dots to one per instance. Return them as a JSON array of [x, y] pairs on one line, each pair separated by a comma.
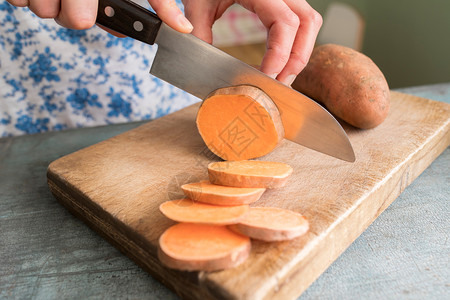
[[53, 78]]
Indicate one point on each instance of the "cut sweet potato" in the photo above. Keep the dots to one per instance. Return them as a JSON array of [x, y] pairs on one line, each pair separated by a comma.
[[249, 173], [271, 224], [206, 192], [187, 210], [199, 247], [348, 83], [239, 122]]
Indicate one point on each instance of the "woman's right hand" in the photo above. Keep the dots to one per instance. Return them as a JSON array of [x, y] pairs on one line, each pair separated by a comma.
[[81, 14]]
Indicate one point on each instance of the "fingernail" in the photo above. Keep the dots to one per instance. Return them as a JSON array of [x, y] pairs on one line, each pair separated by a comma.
[[290, 79], [274, 75], [185, 23]]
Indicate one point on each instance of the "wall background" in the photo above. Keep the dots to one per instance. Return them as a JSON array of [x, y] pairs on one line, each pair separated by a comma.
[[408, 40]]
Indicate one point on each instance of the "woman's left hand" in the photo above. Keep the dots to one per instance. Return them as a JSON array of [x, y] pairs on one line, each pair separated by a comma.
[[292, 27]]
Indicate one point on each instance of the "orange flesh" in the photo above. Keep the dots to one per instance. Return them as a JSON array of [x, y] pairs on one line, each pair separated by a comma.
[[187, 210], [188, 241], [206, 192], [250, 173], [253, 168], [205, 186], [239, 123]]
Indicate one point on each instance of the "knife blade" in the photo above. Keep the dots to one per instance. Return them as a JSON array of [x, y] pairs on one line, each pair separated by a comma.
[[199, 68]]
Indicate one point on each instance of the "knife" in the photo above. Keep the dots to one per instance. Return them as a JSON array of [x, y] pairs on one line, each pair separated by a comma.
[[199, 68]]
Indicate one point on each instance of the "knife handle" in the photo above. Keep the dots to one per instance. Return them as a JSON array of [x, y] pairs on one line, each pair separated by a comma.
[[129, 18]]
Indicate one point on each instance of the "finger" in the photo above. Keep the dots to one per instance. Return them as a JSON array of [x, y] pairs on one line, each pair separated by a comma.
[[45, 8], [282, 24], [310, 23], [203, 14], [77, 14], [19, 3], [170, 14]]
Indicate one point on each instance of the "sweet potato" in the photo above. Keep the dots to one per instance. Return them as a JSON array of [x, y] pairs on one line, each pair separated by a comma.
[[348, 83], [187, 210], [271, 224], [239, 122], [199, 247], [249, 173], [206, 192]]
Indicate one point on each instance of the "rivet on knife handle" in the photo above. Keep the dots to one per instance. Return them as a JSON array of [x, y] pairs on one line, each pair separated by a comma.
[[128, 18]]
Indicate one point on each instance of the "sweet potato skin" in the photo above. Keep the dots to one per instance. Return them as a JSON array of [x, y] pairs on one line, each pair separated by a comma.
[[348, 83], [274, 224]]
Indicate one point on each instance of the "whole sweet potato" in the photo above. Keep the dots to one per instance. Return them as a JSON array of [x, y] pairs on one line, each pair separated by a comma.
[[348, 83]]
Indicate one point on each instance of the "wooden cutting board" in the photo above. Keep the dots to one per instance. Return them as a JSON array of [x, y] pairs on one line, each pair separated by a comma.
[[116, 186]]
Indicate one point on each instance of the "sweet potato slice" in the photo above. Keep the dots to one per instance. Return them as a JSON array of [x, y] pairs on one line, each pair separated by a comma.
[[271, 224], [239, 122], [187, 210], [249, 173], [200, 247], [206, 192]]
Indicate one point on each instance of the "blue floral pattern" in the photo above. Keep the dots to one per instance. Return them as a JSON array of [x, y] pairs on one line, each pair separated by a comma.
[[53, 78]]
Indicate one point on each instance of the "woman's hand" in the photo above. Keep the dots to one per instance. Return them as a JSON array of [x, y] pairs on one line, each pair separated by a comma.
[[81, 14], [292, 27]]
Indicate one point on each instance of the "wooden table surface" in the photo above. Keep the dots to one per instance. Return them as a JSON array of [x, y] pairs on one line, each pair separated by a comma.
[[46, 253]]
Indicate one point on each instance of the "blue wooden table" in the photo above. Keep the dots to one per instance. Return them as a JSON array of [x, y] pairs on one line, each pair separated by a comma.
[[46, 253]]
